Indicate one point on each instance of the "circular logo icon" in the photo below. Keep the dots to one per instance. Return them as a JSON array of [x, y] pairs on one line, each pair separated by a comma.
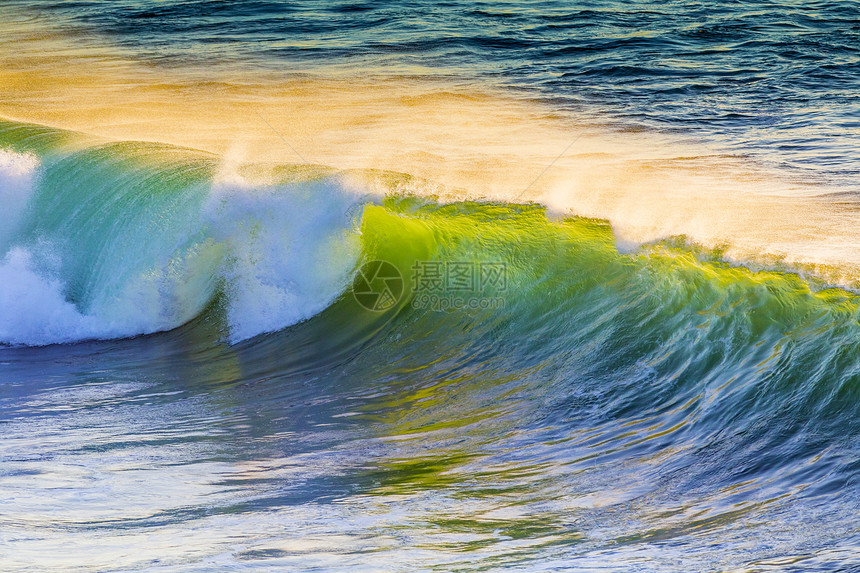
[[378, 286]]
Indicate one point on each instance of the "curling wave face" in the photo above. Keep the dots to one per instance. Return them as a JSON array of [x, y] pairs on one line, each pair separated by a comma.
[[120, 239]]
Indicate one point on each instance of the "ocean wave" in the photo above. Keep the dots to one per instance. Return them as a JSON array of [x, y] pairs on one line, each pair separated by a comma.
[[118, 239]]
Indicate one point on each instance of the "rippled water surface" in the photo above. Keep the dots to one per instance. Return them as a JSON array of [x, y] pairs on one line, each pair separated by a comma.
[[775, 79]]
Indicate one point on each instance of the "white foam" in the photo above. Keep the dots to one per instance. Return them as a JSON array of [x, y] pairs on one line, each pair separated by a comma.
[[292, 250], [33, 310], [17, 178]]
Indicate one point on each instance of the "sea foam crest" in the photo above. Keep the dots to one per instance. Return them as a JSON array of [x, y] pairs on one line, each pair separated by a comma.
[[17, 180], [291, 250]]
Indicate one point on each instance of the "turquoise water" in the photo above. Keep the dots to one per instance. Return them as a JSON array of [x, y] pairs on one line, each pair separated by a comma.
[[206, 369]]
